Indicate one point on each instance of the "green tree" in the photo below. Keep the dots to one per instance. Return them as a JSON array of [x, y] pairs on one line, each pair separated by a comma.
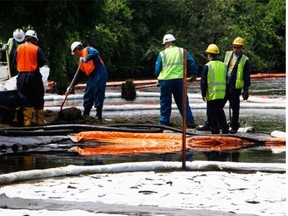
[[114, 38], [128, 33], [262, 25], [57, 23]]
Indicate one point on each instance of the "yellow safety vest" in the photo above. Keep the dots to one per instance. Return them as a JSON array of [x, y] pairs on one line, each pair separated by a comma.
[[241, 63], [172, 63], [10, 45], [216, 80]]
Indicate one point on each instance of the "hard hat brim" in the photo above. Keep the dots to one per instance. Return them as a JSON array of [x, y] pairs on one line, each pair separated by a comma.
[[167, 42]]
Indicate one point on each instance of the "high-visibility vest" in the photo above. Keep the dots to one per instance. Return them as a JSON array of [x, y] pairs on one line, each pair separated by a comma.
[[216, 80], [10, 45], [172, 63], [87, 67], [240, 70], [27, 57]]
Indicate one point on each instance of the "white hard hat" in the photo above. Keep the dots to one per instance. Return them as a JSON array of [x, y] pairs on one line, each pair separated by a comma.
[[74, 45], [168, 38], [31, 33], [18, 35]]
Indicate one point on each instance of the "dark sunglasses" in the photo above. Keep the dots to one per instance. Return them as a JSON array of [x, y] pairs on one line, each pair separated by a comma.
[[237, 47]]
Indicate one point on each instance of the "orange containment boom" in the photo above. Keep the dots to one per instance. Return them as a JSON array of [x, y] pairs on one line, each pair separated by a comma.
[[115, 143]]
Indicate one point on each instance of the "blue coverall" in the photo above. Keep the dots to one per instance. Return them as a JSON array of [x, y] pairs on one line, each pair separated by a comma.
[[174, 87], [96, 84]]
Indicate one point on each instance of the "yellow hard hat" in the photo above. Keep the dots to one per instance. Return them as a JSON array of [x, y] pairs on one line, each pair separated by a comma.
[[213, 48], [238, 41]]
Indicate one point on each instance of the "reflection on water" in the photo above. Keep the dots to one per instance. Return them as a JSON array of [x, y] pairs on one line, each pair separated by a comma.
[[263, 120], [13, 163]]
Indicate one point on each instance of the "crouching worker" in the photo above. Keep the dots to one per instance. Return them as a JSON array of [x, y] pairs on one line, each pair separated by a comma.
[[93, 67], [29, 58]]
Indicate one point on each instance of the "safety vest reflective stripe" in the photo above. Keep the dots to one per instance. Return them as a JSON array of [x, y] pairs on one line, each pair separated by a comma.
[[27, 57], [216, 79], [240, 70], [172, 63], [87, 67]]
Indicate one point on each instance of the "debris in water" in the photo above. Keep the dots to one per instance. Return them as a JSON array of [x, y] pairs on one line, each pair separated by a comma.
[[128, 91]]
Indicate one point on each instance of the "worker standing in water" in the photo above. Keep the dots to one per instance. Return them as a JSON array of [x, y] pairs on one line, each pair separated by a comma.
[[94, 68]]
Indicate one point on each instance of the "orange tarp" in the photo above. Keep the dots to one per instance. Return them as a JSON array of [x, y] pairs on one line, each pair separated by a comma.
[[132, 143]]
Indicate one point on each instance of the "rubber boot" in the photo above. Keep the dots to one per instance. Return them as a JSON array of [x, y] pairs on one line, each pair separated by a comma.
[[86, 112], [40, 120], [28, 114], [99, 113]]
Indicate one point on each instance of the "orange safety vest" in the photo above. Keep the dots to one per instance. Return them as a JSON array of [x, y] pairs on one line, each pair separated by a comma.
[[27, 57], [87, 67]]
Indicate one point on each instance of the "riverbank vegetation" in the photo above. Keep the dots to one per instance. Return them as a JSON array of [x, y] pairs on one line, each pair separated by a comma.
[[128, 33]]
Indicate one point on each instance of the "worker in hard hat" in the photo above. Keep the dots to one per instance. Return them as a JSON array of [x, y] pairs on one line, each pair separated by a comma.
[[238, 79], [169, 72], [10, 48], [213, 89], [29, 57], [94, 68]]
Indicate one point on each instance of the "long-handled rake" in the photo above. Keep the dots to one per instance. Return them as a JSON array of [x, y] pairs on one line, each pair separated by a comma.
[[71, 86]]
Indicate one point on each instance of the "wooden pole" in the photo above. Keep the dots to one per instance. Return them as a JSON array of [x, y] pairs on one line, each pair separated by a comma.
[[184, 102]]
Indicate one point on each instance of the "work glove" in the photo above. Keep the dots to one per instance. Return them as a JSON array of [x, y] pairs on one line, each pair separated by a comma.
[[204, 97], [69, 90], [5, 47], [193, 78], [245, 94], [82, 59]]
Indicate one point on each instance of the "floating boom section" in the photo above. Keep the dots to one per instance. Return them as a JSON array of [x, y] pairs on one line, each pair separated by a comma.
[[128, 143], [116, 143]]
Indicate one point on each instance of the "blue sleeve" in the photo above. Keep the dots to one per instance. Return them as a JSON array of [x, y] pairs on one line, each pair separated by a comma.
[[92, 53], [41, 58], [192, 67], [158, 66], [203, 82], [14, 61], [246, 75]]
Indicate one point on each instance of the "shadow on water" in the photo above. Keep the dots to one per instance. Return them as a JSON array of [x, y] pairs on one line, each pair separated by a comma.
[[263, 120]]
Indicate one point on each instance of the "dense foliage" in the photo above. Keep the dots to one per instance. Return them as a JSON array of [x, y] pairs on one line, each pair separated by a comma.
[[128, 33]]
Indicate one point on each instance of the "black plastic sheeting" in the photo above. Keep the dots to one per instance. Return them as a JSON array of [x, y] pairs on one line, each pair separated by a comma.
[[66, 129]]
